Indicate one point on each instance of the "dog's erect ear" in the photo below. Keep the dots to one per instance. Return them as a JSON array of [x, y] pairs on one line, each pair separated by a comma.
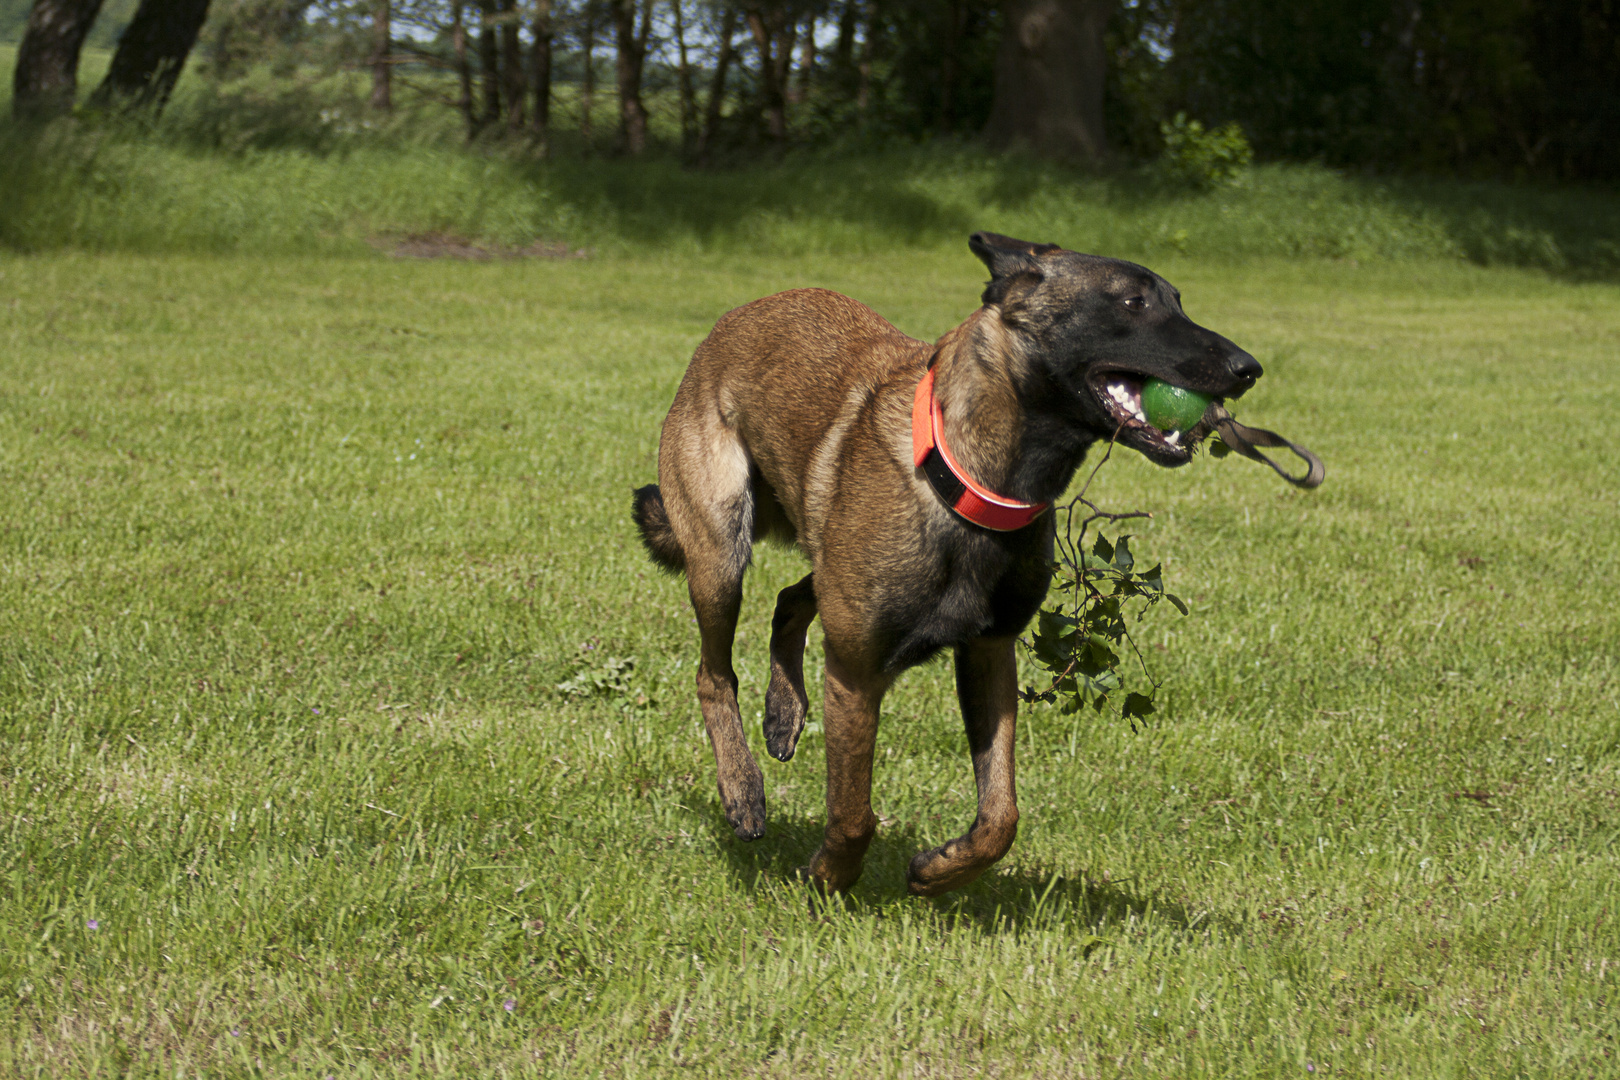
[[1013, 264]]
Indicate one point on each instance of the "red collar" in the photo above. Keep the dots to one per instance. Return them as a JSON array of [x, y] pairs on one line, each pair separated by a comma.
[[977, 504]]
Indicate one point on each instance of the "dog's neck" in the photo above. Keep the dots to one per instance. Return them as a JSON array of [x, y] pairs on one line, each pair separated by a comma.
[[999, 430]]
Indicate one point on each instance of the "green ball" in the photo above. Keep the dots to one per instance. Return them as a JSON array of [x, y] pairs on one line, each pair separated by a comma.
[[1172, 408]]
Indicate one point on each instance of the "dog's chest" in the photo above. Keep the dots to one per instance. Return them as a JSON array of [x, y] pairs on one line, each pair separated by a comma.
[[986, 587]]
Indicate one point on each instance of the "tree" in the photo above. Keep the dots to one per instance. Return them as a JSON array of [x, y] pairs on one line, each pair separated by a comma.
[[683, 73], [458, 54], [1050, 71], [515, 84], [632, 53], [773, 27], [46, 78], [587, 88], [489, 63], [717, 85], [382, 74], [151, 53], [544, 31]]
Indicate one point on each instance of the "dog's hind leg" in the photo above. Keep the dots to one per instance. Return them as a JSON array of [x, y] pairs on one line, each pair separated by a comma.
[[703, 473], [785, 701], [717, 597], [987, 687]]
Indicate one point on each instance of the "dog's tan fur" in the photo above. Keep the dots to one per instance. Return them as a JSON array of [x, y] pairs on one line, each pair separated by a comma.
[[794, 422]]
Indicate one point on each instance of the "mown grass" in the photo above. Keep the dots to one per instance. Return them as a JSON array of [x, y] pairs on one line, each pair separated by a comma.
[[298, 550]]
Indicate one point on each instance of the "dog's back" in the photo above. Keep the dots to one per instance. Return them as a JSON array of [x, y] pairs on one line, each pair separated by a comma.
[[765, 410]]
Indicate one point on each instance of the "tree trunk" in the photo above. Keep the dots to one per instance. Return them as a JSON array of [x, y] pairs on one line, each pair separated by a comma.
[[46, 79], [514, 82], [787, 29], [863, 92], [382, 73], [632, 50], [489, 62], [587, 93], [807, 62], [458, 44], [717, 85], [844, 51], [1049, 78], [684, 78], [769, 39], [151, 53], [950, 66], [543, 30]]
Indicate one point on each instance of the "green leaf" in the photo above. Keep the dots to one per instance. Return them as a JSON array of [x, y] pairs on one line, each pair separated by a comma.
[[1055, 623], [1137, 706], [1122, 555], [1103, 549], [1177, 601]]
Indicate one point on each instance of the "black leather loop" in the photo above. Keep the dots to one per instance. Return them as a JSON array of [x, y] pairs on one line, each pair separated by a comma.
[[1244, 440]]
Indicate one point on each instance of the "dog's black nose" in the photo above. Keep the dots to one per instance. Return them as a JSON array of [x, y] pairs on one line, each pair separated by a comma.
[[1244, 367]]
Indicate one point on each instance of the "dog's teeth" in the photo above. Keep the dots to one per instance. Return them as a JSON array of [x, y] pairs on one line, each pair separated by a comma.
[[1174, 438]]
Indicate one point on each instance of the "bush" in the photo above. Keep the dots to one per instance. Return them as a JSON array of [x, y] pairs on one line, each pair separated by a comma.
[[1203, 159]]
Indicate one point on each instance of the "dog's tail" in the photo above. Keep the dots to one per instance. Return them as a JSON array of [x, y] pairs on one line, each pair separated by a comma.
[[653, 521]]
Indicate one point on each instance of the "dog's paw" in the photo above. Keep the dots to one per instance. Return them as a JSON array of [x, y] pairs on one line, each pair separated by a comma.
[[936, 872], [785, 709], [748, 820]]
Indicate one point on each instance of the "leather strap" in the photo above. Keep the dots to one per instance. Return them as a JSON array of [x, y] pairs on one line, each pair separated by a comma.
[[956, 489], [1244, 440]]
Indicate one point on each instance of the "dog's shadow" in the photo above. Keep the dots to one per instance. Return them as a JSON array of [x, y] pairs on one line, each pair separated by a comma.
[[1002, 900]]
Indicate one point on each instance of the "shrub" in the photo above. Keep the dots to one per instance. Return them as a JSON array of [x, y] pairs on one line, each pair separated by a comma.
[[1204, 159]]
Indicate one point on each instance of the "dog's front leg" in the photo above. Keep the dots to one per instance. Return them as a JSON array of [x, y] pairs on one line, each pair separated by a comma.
[[785, 700], [987, 687], [850, 719]]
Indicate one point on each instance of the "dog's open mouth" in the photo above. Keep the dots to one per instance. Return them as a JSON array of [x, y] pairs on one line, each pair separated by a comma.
[[1121, 396]]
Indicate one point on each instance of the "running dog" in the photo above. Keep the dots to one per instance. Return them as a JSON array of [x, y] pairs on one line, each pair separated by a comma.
[[918, 480]]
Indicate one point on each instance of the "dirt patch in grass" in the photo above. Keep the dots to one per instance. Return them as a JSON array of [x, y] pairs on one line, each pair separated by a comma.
[[438, 245]]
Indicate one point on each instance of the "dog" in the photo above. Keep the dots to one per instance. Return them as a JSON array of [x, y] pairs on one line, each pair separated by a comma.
[[918, 481]]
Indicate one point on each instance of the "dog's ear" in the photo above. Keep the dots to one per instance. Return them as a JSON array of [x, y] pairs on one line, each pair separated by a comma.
[[1013, 264]]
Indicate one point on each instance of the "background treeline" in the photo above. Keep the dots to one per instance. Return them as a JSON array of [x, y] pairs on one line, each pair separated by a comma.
[[1469, 87]]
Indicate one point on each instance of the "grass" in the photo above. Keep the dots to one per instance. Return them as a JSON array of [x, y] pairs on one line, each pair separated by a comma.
[[298, 550], [299, 165]]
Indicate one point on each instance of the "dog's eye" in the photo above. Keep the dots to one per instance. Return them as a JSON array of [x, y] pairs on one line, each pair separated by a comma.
[[1136, 303]]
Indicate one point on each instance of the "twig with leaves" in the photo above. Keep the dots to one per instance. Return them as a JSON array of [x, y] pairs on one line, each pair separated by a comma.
[[1078, 642]]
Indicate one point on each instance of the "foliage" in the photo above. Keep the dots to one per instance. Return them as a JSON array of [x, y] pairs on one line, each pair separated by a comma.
[[600, 676], [1078, 641], [277, 705], [1510, 87], [1203, 159], [1473, 88]]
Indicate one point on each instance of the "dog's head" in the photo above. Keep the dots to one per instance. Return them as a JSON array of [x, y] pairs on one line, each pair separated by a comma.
[[1096, 329]]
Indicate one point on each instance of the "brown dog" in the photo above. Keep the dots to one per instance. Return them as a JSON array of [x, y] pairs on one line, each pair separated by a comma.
[[807, 418]]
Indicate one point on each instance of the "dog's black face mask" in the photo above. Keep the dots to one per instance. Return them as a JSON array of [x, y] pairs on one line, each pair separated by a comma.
[[1096, 329]]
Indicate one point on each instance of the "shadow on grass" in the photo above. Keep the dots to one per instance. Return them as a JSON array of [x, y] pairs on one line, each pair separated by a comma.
[[860, 204], [1013, 900]]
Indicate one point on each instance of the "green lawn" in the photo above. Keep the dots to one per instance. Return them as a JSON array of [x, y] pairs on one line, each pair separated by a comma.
[[295, 552]]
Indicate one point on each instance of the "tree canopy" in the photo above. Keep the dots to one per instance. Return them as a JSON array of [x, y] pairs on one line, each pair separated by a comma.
[[1470, 87]]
